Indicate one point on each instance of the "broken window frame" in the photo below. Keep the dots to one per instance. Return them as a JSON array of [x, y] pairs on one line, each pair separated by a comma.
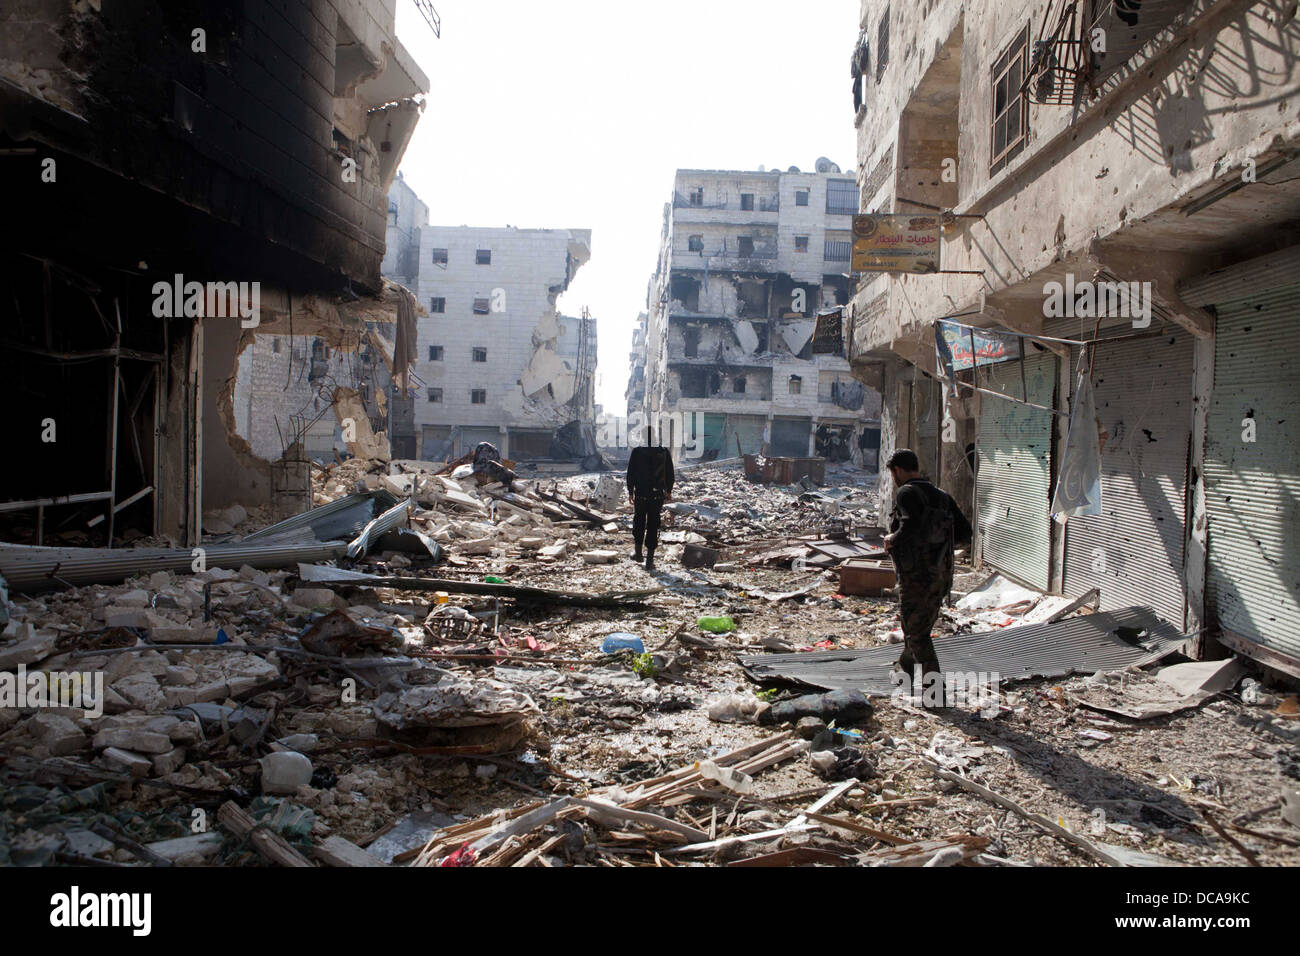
[[747, 202], [800, 243], [695, 243], [433, 395], [482, 305], [478, 353], [696, 196], [435, 353], [742, 250], [1008, 72], [440, 257], [482, 257], [795, 385]]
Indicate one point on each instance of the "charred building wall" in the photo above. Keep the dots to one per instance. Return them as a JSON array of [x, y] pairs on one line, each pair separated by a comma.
[[153, 145]]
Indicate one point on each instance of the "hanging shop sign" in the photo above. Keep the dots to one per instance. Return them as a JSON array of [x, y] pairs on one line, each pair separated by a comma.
[[896, 242], [968, 347], [828, 339]]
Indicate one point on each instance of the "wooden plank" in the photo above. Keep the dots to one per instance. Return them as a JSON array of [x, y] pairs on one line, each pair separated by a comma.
[[334, 850], [268, 844]]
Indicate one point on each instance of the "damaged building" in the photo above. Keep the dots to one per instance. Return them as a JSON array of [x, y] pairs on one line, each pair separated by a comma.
[[749, 262], [227, 193], [1119, 197], [495, 360]]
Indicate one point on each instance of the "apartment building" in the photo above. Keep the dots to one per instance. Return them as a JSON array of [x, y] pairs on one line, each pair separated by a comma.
[[496, 361], [1117, 199], [748, 259]]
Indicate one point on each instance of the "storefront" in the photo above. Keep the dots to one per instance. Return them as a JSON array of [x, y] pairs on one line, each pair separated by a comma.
[[1134, 550], [1252, 458]]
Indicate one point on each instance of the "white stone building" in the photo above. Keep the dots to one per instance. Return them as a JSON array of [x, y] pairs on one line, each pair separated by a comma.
[[496, 361], [747, 260]]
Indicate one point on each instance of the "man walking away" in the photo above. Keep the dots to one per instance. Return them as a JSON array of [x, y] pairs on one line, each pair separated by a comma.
[[649, 485], [925, 527]]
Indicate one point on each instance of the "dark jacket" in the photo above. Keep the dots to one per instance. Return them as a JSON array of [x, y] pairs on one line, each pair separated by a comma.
[[650, 472], [927, 525]]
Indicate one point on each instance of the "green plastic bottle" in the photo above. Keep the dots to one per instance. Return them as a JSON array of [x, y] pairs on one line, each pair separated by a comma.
[[493, 579], [717, 625]]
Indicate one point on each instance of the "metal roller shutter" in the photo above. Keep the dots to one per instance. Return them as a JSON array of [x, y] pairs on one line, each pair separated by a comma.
[[1143, 395], [790, 437], [748, 429], [1253, 488], [1014, 446], [470, 436]]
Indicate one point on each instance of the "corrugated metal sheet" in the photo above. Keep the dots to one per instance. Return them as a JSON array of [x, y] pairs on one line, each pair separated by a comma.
[[1015, 444], [927, 414], [1133, 551], [790, 436], [340, 520], [30, 568], [1095, 643], [748, 429], [1253, 488], [1255, 277]]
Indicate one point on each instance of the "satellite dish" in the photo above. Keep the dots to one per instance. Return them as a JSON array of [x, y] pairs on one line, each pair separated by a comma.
[[824, 165], [762, 168], [793, 169]]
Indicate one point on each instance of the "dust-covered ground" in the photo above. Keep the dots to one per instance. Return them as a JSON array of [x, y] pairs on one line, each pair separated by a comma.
[[1200, 787]]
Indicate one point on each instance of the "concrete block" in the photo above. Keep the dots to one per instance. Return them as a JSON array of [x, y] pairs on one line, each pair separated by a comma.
[[123, 761], [168, 762], [137, 741], [59, 734]]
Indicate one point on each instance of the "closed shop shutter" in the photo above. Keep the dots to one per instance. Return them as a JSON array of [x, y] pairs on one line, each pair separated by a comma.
[[790, 437], [927, 408], [436, 442], [471, 436], [1014, 446], [1252, 489], [748, 429], [1133, 550], [709, 445]]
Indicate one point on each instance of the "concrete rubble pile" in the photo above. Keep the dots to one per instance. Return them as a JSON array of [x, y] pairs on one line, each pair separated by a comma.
[[477, 676]]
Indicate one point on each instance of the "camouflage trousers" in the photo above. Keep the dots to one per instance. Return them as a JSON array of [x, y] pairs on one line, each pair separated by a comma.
[[920, 599]]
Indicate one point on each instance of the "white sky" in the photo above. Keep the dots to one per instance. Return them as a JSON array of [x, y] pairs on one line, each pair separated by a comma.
[[576, 113]]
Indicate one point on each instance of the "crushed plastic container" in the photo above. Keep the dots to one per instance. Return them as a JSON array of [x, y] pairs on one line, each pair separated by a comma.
[[733, 780], [717, 625], [493, 579], [614, 643]]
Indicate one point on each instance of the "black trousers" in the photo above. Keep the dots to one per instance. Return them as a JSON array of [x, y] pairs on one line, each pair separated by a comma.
[[645, 522]]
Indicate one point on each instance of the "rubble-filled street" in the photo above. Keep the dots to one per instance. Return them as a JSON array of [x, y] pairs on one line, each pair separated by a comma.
[[500, 686], [514, 436]]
